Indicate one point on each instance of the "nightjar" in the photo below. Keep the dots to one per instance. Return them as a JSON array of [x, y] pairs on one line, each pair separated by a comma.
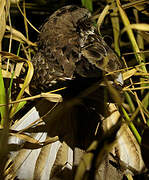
[[70, 48], [71, 53]]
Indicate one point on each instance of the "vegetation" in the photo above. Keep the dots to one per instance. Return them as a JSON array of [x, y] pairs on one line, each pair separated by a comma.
[[127, 21]]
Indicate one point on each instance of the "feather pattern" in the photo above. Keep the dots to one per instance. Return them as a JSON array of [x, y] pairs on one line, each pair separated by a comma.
[[70, 47]]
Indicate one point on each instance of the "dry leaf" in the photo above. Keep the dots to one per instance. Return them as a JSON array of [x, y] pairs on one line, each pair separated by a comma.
[[18, 36]]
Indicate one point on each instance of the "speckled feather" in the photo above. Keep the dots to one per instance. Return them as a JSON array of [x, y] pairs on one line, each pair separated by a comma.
[[70, 46]]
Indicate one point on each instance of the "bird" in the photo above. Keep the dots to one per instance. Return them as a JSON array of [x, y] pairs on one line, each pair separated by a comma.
[[72, 53], [69, 48]]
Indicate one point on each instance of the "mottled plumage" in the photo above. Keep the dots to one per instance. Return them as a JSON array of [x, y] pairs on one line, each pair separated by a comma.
[[70, 47], [71, 53]]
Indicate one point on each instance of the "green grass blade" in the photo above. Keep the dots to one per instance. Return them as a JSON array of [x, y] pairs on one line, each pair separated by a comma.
[[132, 127], [88, 4], [131, 36], [2, 98]]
